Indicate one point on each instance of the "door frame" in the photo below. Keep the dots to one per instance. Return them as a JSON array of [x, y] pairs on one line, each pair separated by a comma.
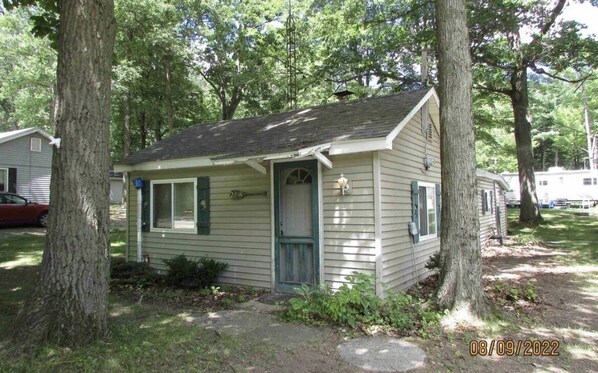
[[276, 168]]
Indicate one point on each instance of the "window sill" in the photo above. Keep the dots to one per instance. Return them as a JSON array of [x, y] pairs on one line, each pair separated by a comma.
[[428, 237], [177, 231]]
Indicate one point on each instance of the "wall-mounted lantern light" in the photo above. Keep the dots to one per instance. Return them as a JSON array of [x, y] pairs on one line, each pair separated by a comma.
[[343, 183]]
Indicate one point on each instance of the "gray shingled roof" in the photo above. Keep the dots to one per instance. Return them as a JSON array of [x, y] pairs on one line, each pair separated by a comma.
[[285, 132]]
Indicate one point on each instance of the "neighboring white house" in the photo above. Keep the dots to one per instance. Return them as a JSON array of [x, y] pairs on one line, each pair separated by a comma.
[[26, 163], [558, 183]]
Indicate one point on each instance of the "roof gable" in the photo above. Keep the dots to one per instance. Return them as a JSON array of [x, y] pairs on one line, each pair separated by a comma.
[[379, 119], [11, 135]]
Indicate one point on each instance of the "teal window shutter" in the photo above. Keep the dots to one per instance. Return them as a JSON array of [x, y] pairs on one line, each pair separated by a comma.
[[145, 206], [415, 208], [438, 208], [483, 198], [12, 180], [203, 205]]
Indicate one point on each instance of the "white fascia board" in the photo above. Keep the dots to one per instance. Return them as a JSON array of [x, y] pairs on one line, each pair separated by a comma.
[[322, 158], [25, 132], [256, 166], [271, 157], [312, 149], [165, 165], [395, 132], [358, 146]]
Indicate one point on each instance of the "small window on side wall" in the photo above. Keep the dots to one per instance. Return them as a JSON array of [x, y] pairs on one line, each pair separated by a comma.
[[36, 144], [426, 214]]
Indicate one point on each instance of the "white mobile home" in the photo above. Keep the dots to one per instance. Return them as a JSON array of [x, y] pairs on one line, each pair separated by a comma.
[[559, 184]]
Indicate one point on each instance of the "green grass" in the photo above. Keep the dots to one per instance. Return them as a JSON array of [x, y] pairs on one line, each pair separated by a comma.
[[572, 229], [147, 337], [20, 257]]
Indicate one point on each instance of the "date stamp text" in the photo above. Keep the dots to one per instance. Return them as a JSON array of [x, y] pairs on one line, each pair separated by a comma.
[[509, 347]]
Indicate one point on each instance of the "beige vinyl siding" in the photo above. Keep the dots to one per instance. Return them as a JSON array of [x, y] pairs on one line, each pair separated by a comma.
[[348, 220], [240, 230], [488, 220], [403, 261], [502, 201]]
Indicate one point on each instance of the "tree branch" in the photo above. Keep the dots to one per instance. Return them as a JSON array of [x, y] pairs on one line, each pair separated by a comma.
[[541, 71], [503, 91]]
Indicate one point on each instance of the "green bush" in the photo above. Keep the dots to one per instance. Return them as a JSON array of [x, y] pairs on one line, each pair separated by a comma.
[[209, 270], [434, 261], [123, 272], [192, 274], [356, 304]]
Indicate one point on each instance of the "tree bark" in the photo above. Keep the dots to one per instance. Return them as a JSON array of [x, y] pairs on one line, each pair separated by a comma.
[[69, 305], [169, 103], [127, 124], [460, 255], [529, 211]]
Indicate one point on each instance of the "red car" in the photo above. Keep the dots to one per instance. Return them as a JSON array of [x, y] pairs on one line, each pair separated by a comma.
[[15, 209]]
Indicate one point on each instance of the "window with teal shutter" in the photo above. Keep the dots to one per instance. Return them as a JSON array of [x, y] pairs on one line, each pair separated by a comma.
[[484, 202], [415, 208], [203, 205]]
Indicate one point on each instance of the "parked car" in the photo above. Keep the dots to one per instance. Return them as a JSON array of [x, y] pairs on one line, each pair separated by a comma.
[[562, 203], [15, 209]]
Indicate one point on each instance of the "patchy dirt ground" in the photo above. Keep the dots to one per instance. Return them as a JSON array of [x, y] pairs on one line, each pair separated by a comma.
[[558, 329], [565, 315]]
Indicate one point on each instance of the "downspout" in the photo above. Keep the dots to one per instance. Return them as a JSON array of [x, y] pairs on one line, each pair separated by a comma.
[[127, 215], [138, 182], [139, 222]]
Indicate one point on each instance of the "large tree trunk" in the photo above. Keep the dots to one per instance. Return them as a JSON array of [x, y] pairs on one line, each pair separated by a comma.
[[529, 210], [127, 124], [460, 255], [69, 305]]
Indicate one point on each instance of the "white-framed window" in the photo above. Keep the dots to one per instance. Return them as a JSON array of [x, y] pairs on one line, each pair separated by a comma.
[[543, 182], [3, 179], [427, 210], [173, 205], [487, 197], [587, 181], [36, 144]]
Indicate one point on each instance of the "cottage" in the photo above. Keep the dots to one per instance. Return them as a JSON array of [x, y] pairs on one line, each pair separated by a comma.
[[306, 196], [26, 163], [493, 206]]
